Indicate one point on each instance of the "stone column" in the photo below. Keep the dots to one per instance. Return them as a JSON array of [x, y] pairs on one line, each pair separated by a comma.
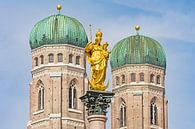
[[97, 103], [97, 121]]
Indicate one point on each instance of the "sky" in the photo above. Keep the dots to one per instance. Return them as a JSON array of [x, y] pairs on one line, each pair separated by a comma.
[[171, 22]]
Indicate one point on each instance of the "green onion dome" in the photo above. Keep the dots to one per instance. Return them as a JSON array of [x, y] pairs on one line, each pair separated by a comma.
[[137, 49], [58, 29]]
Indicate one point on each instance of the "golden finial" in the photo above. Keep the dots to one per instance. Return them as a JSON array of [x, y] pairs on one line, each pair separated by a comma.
[[137, 28], [59, 7]]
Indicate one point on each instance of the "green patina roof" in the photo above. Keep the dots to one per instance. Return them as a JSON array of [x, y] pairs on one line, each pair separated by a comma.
[[58, 29], [137, 49]]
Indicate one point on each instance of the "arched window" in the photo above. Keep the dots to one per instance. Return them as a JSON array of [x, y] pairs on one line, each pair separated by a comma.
[[78, 60], [122, 119], [51, 58], [153, 112], [70, 58], [36, 61], [133, 78], [72, 95], [40, 96], [117, 80], [42, 59], [158, 79], [152, 78], [141, 77], [123, 79], [60, 57]]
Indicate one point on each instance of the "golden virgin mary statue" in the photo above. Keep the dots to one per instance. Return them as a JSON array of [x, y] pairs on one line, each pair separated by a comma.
[[97, 56]]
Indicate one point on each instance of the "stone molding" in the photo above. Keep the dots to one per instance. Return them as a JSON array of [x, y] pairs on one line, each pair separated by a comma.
[[137, 85], [72, 121], [39, 121], [57, 46], [136, 67], [56, 65], [38, 112], [55, 74], [67, 72], [68, 120], [74, 110], [123, 127], [53, 116], [97, 118]]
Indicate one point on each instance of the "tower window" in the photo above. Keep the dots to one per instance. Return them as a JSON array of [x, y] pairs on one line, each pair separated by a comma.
[[78, 60], [72, 95], [40, 96], [122, 119], [117, 80], [133, 77], [70, 58], [60, 57], [36, 61], [123, 79], [153, 112], [158, 79], [42, 59], [141, 75], [51, 58], [152, 78]]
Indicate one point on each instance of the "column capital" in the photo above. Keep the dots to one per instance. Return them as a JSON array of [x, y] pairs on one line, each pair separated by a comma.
[[97, 102]]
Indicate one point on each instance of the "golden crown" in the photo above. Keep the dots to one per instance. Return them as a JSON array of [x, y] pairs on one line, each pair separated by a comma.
[[99, 34]]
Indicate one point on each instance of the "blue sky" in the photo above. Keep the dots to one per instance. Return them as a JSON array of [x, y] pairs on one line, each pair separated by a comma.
[[171, 22]]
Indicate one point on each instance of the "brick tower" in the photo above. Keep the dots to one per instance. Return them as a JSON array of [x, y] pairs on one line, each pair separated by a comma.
[[58, 74], [138, 71]]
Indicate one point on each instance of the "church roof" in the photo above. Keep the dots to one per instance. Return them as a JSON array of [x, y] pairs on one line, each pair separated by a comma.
[[58, 29], [137, 49]]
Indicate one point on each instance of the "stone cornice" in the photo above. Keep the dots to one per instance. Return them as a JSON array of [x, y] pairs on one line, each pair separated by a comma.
[[56, 116], [125, 86], [57, 45], [131, 65], [44, 66]]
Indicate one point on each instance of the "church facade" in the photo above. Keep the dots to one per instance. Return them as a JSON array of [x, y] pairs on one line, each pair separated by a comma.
[[59, 78]]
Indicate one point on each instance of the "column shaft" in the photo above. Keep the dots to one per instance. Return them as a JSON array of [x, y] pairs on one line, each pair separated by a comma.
[[97, 121]]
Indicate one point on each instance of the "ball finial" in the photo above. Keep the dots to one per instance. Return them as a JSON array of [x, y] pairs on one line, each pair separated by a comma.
[[137, 28], [59, 7]]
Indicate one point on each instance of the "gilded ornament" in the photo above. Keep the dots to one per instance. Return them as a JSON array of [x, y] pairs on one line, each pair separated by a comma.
[[59, 7], [137, 28]]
